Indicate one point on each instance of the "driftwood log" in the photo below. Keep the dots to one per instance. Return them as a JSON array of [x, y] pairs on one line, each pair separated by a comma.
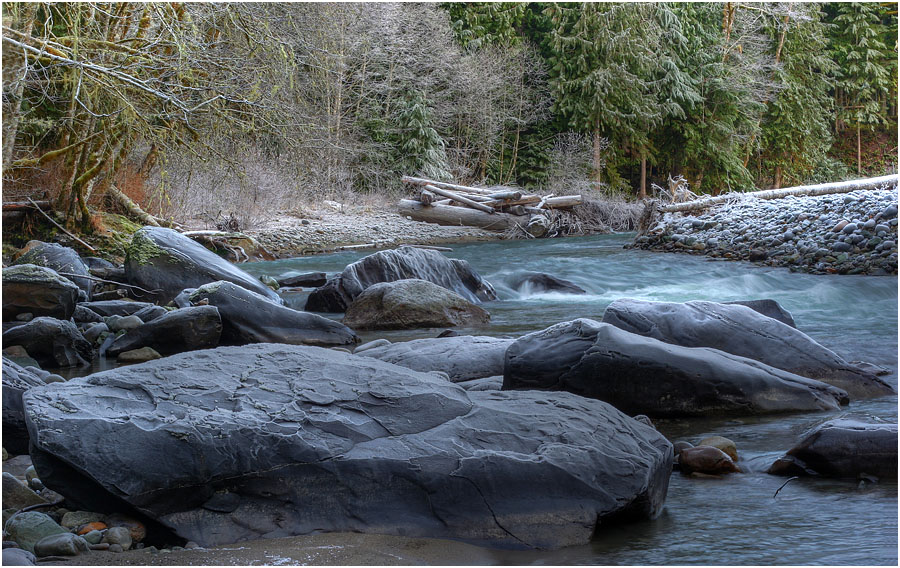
[[459, 216]]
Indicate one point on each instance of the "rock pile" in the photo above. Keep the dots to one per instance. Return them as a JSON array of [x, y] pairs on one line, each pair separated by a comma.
[[849, 233]]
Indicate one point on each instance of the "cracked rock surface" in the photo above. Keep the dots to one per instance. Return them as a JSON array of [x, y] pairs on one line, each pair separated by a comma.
[[272, 440]]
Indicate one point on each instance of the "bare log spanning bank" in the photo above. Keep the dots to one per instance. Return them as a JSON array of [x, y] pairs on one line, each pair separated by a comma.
[[451, 186], [801, 190], [460, 198], [459, 216]]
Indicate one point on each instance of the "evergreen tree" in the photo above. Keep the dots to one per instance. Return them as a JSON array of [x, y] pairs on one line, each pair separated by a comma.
[[483, 23], [419, 147]]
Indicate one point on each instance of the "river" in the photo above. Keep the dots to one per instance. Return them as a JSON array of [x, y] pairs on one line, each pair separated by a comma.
[[736, 519]]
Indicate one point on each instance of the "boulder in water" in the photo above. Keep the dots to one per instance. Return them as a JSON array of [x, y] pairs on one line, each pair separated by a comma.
[[410, 304], [843, 448], [740, 330], [400, 264], [707, 460], [463, 357], [52, 342], [59, 259], [167, 261], [248, 317], [40, 291], [307, 280], [269, 440], [185, 329], [769, 308], [538, 282], [641, 375]]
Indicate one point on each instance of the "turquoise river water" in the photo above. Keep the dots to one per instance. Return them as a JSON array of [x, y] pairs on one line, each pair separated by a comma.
[[735, 519]]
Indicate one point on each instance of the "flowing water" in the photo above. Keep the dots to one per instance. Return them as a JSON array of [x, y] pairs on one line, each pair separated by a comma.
[[736, 519]]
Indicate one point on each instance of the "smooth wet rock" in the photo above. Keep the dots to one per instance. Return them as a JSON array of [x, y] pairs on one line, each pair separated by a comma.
[[707, 460], [92, 334], [494, 383], [165, 260], [136, 528], [641, 375], [150, 313], [52, 342], [400, 264], [185, 329], [118, 535], [843, 448], [540, 282], [307, 280], [769, 308], [123, 323], [37, 290], [17, 495], [371, 344], [59, 259], [364, 445], [18, 557], [16, 380], [138, 355], [65, 544], [742, 331], [411, 304], [93, 537], [721, 443], [463, 358], [30, 527], [248, 317]]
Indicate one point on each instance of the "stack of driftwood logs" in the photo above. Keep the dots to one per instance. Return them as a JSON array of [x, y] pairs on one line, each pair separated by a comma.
[[496, 208]]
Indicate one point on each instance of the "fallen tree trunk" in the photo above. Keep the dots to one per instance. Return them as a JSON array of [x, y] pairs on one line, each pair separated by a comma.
[[25, 205], [451, 186], [459, 216], [802, 190], [131, 208], [460, 198]]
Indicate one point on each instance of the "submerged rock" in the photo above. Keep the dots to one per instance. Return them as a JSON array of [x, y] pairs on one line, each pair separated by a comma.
[[843, 448], [641, 375], [740, 330], [165, 260], [248, 317], [537, 282], [410, 304], [39, 291], [271, 440], [463, 357], [400, 264], [707, 460]]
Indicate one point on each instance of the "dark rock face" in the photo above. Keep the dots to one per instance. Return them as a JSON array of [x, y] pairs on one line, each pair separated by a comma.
[[165, 260], [59, 259], [536, 282], [310, 279], [28, 288], [742, 331], [250, 318], [273, 440], [769, 308], [843, 448], [463, 357], [641, 375], [185, 329], [52, 342], [410, 304], [108, 308], [400, 264], [16, 380]]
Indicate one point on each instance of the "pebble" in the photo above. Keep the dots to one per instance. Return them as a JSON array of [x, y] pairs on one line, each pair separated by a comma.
[[123, 323], [138, 355], [93, 537], [854, 233], [120, 536]]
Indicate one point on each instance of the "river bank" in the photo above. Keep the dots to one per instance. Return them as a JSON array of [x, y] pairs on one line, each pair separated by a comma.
[[851, 233]]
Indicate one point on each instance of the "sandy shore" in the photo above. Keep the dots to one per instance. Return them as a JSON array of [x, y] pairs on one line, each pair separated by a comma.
[[336, 549], [327, 230]]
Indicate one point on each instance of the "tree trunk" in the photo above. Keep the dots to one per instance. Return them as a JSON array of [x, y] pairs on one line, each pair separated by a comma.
[[858, 151], [459, 216], [643, 190], [597, 156], [13, 112], [777, 177]]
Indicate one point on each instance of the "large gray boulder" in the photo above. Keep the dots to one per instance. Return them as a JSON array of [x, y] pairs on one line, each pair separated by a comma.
[[108, 308], [743, 331], [16, 380], [248, 317], [28, 288], [167, 261], [184, 329], [411, 304], [400, 264], [272, 440], [51, 342], [769, 308], [59, 259], [463, 357], [843, 448], [641, 375]]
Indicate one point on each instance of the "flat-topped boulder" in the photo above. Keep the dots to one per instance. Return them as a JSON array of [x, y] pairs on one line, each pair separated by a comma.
[[463, 357], [740, 330], [400, 264], [248, 317], [642, 375], [411, 304], [166, 262], [60, 259], [267, 440], [51, 342], [39, 291], [184, 329], [843, 448]]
